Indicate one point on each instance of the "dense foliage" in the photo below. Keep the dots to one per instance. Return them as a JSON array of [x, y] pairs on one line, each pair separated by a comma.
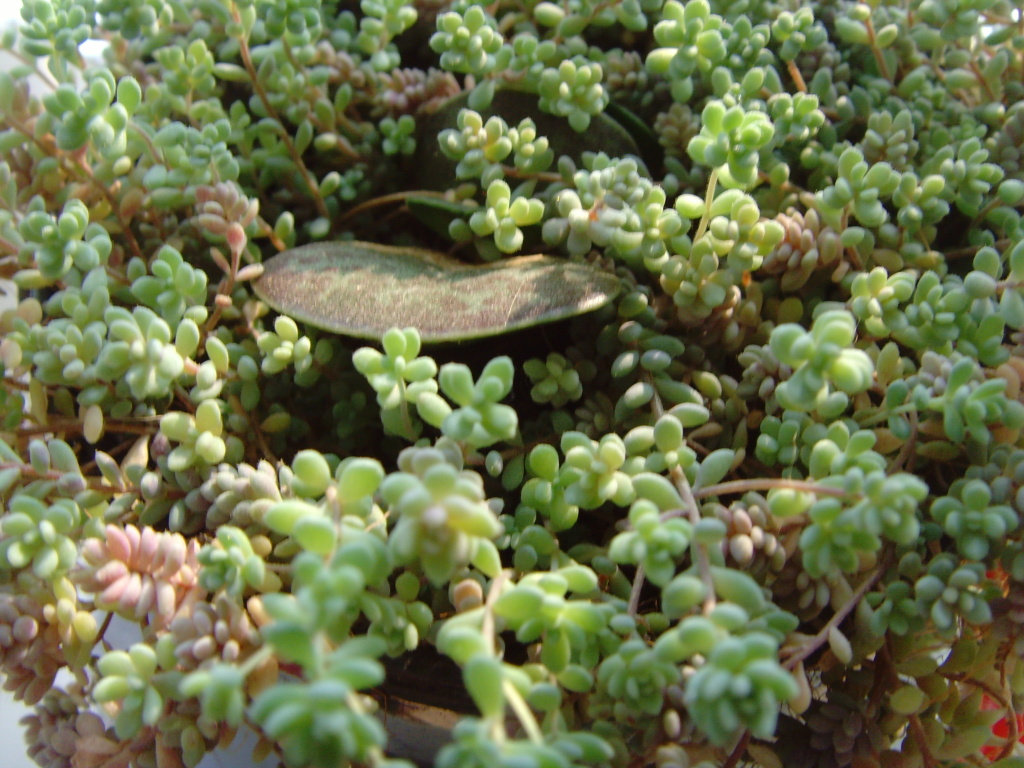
[[765, 508]]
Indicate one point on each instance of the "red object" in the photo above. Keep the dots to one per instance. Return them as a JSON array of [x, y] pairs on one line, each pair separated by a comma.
[[1001, 728]]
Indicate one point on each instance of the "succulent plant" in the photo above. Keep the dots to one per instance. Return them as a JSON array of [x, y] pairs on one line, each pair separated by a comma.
[[648, 372]]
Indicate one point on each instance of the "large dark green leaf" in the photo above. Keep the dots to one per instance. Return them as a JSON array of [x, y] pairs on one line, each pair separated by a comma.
[[642, 133], [363, 289]]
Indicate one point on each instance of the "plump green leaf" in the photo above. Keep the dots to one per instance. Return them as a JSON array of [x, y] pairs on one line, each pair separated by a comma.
[[483, 678], [435, 171], [907, 700]]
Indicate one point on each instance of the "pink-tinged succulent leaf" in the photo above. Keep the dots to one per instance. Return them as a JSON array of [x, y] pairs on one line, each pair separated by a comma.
[[25, 629], [118, 543], [364, 289], [147, 597], [140, 572], [134, 543], [166, 598], [132, 590], [113, 592], [148, 545], [111, 571], [173, 554]]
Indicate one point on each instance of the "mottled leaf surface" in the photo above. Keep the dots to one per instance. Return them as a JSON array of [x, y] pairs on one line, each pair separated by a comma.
[[363, 289]]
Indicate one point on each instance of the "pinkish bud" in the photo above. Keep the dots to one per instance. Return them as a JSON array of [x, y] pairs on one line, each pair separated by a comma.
[[236, 237]]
